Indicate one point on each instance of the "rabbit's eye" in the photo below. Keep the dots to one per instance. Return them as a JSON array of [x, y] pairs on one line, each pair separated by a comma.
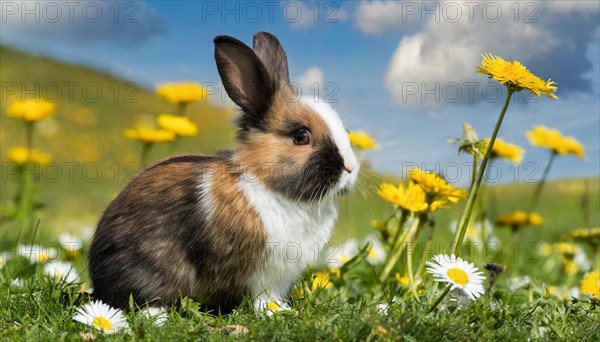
[[302, 137]]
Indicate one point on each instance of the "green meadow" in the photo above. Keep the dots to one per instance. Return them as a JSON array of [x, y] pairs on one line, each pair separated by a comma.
[[92, 162]]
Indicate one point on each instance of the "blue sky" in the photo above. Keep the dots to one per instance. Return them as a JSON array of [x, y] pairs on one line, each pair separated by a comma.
[[383, 62]]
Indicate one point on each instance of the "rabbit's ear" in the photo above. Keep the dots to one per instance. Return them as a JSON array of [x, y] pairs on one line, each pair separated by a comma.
[[245, 78], [270, 51]]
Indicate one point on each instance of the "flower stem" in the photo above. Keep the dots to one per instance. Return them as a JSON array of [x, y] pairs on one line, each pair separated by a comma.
[[466, 215], [538, 189], [146, 147], [412, 237], [474, 176], [439, 300], [29, 134], [397, 250], [421, 269], [181, 107]]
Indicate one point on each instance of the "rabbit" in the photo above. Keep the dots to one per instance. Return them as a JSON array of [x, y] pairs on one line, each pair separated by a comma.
[[217, 228]]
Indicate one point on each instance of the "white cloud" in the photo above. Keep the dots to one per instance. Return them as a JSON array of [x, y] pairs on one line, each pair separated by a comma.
[[311, 80], [377, 17], [432, 65]]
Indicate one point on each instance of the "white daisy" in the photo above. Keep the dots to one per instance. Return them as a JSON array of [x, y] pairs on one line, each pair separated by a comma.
[[17, 282], [517, 283], [376, 251], [459, 274], [36, 253], [157, 315], [343, 254], [61, 270], [4, 257], [70, 242], [102, 317], [87, 233]]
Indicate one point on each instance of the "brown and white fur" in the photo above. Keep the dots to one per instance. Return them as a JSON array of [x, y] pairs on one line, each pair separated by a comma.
[[247, 221]]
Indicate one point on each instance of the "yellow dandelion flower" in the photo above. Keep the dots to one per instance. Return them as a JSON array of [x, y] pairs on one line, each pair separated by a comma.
[[30, 110], [506, 150], [321, 280], [566, 249], [514, 219], [590, 284], [410, 197], [402, 280], [515, 76], [362, 140], [149, 135], [552, 139], [535, 220], [21, 155], [586, 234], [438, 191], [180, 125], [182, 93]]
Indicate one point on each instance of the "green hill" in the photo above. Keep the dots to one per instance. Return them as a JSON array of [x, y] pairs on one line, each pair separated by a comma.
[[85, 137]]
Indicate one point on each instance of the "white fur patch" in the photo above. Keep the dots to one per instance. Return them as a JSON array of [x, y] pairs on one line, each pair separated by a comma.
[[207, 202], [295, 234], [339, 136]]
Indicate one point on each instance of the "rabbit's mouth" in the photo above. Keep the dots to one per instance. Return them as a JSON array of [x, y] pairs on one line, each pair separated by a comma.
[[347, 181]]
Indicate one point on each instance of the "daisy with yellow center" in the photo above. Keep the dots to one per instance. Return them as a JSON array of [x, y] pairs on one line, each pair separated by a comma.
[[458, 274], [375, 253], [506, 150], [362, 140], [272, 306], [102, 317], [515, 76], [63, 271], [71, 244], [343, 254], [4, 257], [552, 139], [410, 197], [36, 253], [182, 126], [590, 284], [30, 110]]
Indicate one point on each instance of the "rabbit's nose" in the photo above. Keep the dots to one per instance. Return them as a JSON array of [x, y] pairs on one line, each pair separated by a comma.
[[349, 169]]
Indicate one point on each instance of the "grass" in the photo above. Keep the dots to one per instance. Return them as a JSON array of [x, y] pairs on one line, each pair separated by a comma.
[[43, 310], [90, 133]]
